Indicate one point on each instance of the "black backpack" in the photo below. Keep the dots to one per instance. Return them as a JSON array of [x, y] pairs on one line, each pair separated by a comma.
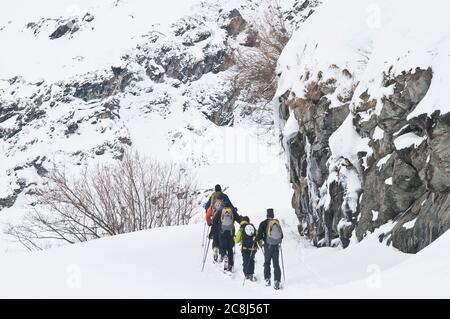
[[249, 236]]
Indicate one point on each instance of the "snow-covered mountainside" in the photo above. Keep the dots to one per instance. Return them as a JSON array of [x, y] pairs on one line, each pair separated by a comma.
[[114, 77], [365, 115], [83, 81]]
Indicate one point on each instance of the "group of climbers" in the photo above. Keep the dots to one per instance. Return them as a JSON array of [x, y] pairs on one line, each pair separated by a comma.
[[221, 216], [219, 202]]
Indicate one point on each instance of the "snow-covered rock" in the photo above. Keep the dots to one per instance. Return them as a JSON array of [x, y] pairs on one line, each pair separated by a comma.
[[368, 82]]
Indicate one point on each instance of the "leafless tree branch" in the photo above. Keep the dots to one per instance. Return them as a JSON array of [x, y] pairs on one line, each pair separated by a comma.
[[131, 195]]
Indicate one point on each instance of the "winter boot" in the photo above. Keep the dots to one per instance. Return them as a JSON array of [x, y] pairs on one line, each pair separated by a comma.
[[225, 263], [267, 282], [277, 285]]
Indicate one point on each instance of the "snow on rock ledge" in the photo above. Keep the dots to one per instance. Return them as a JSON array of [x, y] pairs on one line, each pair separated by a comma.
[[371, 89]]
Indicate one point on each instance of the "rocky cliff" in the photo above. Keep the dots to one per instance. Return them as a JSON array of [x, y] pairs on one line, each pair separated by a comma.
[[367, 128]]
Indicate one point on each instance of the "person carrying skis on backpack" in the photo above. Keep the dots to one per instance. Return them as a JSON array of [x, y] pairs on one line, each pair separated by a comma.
[[246, 235], [216, 195], [223, 227], [271, 234]]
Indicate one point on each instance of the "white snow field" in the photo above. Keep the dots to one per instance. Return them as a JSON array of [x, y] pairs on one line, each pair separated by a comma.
[[166, 262]]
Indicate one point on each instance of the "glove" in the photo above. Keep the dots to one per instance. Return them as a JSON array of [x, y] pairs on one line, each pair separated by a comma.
[[210, 236], [261, 244]]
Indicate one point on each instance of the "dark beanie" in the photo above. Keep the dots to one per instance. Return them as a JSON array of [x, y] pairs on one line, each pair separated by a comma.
[[217, 188], [270, 213]]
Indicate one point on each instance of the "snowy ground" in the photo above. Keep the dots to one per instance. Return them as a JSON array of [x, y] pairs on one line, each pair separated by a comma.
[[166, 262]]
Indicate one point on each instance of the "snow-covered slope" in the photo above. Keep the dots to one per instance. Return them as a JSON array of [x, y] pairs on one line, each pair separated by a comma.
[[367, 83], [159, 263], [97, 44], [81, 81], [166, 263]]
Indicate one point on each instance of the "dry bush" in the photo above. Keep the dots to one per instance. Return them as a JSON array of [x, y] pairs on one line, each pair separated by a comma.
[[131, 195], [313, 92], [303, 109], [255, 77]]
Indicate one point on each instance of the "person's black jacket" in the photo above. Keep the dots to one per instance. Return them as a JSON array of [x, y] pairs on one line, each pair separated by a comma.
[[215, 228], [262, 231]]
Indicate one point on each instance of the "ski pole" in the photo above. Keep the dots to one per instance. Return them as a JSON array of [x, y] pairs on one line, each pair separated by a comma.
[[203, 244], [234, 255], [282, 263], [203, 236], [206, 254], [204, 250]]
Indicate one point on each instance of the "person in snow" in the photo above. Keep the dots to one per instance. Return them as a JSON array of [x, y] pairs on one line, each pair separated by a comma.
[[270, 233], [218, 205], [223, 228], [218, 194], [216, 202], [246, 235]]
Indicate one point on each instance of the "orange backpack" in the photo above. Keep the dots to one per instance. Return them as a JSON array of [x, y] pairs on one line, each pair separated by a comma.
[[212, 210], [209, 215]]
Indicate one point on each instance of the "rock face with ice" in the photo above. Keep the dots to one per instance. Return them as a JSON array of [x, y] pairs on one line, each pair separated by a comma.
[[373, 122]]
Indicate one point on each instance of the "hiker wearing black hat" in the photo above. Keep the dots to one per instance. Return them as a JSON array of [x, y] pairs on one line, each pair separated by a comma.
[[271, 234]]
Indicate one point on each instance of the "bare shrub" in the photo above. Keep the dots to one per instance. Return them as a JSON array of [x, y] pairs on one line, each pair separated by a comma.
[[255, 65], [131, 195], [313, 92], [303, 109]]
